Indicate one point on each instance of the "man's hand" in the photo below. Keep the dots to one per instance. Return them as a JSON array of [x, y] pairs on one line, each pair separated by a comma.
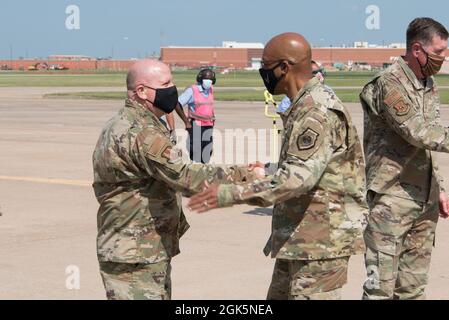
[[256, 164], [205, 200], [444, 206], [258, 168], [188, 125]]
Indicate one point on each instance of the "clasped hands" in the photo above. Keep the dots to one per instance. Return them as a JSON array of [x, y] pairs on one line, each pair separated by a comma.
[[208, 199]]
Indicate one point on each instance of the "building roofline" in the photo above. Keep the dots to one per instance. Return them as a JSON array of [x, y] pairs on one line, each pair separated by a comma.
[[345, 48], [188, 47]]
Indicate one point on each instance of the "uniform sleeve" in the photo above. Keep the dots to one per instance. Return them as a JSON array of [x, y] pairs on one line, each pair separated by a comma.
[[308, 155], [405, 118], [436, 167], [161, 160], [186, 97], [438, 175]]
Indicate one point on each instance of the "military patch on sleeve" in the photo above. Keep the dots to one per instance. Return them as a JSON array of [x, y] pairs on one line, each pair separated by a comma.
[[306, 139], [398, 107], [402, 108], [392, 97]]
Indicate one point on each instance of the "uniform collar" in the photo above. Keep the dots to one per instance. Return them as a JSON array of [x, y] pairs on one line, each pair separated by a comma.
[[307, 87], [417, 84], [144, 113]]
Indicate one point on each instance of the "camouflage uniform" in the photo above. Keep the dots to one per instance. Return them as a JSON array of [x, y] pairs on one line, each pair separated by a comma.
[[319, 197], [138, 180], [402, 128]]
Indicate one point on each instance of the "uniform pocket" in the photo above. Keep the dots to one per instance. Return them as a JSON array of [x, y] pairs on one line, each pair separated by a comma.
[[382, 254], [318, 276], [388, 265]]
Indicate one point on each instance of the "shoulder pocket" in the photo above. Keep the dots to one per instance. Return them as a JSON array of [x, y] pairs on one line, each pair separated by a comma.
[[306, 139], [399, 106]]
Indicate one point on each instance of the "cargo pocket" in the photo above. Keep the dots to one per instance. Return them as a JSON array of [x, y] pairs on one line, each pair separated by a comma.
[[388, 266], [319, 276], [314, 227], [382, 255]]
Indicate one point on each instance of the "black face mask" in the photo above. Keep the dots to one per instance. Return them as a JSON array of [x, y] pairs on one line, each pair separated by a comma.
[[166, 98], [269, 78]]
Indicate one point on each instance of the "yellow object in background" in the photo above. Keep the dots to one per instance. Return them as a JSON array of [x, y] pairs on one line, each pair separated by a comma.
[[269, 100]]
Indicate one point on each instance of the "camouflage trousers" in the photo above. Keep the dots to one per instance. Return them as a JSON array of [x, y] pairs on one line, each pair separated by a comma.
[[399, 238], [124, 281], [308, 279]]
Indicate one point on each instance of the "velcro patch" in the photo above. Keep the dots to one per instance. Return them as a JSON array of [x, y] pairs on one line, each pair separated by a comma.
[[402, 108], [392, 97], [156, 146], [307, 139], [398, 106]]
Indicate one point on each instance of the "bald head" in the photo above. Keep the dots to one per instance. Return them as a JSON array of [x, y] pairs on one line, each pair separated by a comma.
[[286, 63], [289, 46], [151, 73], [144, 79]]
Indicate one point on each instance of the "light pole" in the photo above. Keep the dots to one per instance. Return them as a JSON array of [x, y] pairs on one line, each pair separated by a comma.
[[10, 56]]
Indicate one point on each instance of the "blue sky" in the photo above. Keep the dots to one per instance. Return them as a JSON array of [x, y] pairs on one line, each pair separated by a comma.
[[135, 28]]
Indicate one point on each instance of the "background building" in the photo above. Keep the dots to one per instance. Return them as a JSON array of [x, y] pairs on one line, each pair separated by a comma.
[[243, 58], [248, 55], [70, 64], [62, 57], [231, 55]]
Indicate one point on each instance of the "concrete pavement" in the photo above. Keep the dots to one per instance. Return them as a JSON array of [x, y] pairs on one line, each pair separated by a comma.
[[49, 209]]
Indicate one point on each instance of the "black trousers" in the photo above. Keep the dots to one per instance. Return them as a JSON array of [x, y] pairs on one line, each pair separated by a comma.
[[200, 143]]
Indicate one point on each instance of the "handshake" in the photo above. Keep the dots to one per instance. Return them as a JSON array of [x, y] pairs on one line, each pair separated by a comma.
[[258, 168], [208, 198]]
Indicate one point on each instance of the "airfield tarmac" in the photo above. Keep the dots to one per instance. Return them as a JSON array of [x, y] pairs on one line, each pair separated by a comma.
[[49, 209]]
